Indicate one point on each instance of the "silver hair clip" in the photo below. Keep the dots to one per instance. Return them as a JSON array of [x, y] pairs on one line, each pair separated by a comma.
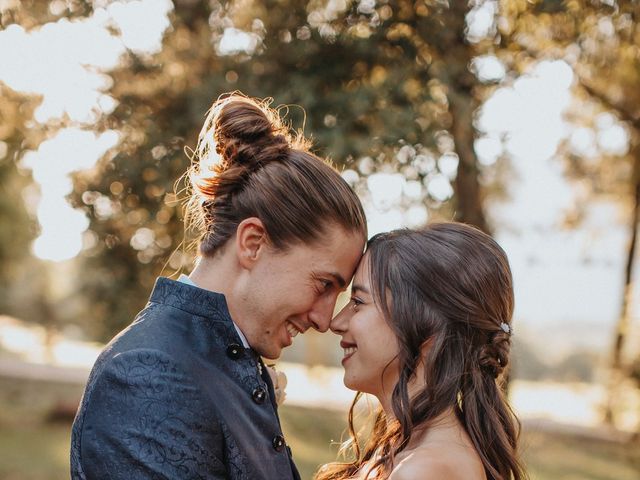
[[505, 328]]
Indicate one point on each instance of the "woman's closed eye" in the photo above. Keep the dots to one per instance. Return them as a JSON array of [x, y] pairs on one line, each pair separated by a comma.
[[356, 302]]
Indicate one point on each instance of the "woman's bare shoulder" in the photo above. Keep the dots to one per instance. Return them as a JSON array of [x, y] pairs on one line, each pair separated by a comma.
[[425, 469], [431, 464]]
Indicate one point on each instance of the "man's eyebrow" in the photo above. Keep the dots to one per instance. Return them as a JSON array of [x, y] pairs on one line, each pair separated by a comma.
[[338, 279], [359, 288]]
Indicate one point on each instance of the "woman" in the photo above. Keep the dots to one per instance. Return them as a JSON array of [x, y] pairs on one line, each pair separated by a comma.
[[428, 332]]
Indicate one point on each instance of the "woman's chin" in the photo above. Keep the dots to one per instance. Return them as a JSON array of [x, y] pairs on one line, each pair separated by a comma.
[[349, 383], [355, 385]]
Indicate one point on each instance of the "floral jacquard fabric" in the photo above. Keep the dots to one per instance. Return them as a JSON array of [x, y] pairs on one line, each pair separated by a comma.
[[166, 400]]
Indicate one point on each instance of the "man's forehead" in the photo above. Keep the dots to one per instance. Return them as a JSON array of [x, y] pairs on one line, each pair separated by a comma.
[[361, 275], [337, 259]]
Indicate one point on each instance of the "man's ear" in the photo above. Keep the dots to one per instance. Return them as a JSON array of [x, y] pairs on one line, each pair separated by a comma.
[[251, 240]]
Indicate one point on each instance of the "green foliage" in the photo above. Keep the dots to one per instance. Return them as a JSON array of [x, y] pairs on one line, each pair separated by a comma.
[[372, 81], [361, 83], [18, 228], [34, 13], [600, 42]]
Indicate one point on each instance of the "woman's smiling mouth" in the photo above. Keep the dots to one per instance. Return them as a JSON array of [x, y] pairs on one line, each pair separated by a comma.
[[349, 350]]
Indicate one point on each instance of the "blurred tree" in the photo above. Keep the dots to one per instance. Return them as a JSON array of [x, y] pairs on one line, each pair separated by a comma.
[[18, 225], [25, 290], [385, 87], [601, 40], [578, 366], [527, 364], [35, 13]]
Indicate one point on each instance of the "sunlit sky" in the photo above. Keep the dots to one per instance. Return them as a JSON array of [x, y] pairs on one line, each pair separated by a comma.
[[559, 275]]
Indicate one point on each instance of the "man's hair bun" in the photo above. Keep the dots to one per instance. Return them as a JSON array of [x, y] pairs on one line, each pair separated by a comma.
[[239, 137], [249, 163], [246, 133]]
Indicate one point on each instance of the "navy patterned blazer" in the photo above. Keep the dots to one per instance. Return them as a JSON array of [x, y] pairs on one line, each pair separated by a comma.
[[177, 396]]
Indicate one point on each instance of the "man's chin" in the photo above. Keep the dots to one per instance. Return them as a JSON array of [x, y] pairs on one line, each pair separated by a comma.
[[270, 353]]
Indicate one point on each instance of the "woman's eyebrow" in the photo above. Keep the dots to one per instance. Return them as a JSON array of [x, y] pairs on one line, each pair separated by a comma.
[[359, 288]]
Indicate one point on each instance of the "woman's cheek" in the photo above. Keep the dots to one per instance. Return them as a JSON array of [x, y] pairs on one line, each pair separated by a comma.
[[361, 324]]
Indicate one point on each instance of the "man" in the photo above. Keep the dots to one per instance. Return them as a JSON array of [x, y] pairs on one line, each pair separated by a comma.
[[182, 392]]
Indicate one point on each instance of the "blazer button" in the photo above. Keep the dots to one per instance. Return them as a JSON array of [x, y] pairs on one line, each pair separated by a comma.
[[278, 443], [234, 351], [259, 394]]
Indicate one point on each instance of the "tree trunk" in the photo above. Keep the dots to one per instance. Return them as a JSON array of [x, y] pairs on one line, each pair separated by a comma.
[[456, 56], [468, 200], [622, 326]]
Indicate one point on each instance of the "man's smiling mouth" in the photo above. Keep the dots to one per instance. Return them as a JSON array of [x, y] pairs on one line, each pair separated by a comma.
[[292, 329]]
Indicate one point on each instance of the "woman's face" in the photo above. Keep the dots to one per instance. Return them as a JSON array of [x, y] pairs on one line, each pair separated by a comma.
[[370, 346]]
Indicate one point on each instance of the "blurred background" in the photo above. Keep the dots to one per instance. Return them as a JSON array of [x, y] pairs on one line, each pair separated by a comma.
[[521, 117]]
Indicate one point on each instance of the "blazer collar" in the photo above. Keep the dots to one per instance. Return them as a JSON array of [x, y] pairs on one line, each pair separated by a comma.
[[194, 300]]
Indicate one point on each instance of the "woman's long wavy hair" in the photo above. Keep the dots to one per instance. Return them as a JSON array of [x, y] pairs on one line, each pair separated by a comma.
[[449, 285]]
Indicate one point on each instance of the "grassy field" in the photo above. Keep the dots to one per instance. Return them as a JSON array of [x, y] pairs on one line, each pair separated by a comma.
[[34, 448], [548, 456]]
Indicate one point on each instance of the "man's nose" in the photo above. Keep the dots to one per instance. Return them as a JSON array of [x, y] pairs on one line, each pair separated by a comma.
[[340, 322], [320, 315]]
